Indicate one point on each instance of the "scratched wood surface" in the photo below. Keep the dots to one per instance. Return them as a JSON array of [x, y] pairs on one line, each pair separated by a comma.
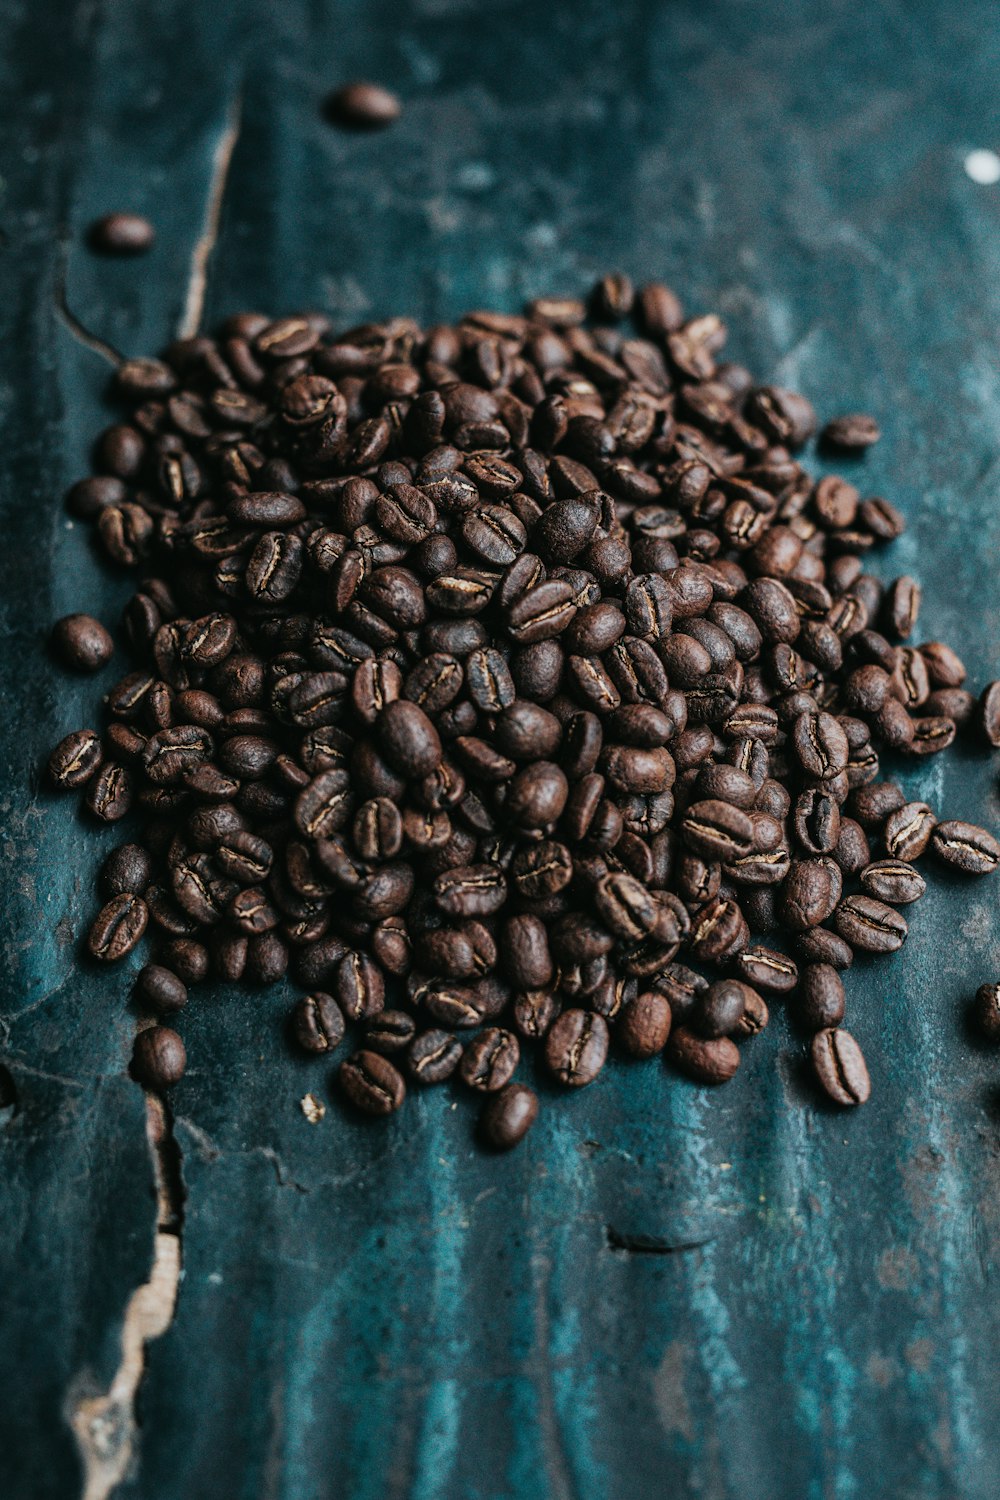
[[729, 1296]]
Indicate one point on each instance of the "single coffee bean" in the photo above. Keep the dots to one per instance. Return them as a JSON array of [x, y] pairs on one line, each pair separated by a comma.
[[870, 925], [371, 1083], [853, 433], [363, 106], [318, 1022], [117, 928], [390, 1031], [129, 868], [576, 1046], [508, 1115], [840, 1067], [490, 1059], [892, 880], [122, 234], [643, 1024], [82, 642], [433, 1056], [986, 1011], [989, 709], [160, 989], [767, 970], [821, 1001], [75, 760], [965, 847], [818, 945], [908, 830], [720, 1008], [755, 1016], [158, 1058], [708, 1060]]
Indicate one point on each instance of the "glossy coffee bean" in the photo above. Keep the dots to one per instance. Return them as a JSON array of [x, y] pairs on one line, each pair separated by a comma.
[[508, 1115], [840, 1068], [158, 1058]]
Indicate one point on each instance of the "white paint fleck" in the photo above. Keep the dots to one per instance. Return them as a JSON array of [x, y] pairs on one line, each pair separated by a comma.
[[983, 167]]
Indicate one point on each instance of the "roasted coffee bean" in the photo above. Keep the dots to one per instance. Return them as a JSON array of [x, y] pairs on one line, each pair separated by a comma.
[[363, 106], [718, 830], [870, 925], [908, 830], [489, 1060], [576, 1046], [818, 945], [318, 1023], [989, 709], [892, 880], [708, 1060], [160, 989], [390, 1031], [127, 869], [158, 1058], [808, 896], [508, 1115], [81, 642], [118, 927], [122, 234], [821, 1004], [371, 1083], [433, 1056], [720, 1008], [853, 433], [840, 1067], [986, 1011], [643, 1024], [965, 847], [409, 740], [524, 948], [767, 970], [75, 760]]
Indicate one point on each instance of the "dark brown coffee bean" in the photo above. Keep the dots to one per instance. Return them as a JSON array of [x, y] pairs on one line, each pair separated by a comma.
[[989, 708], [75, 760], [821, 1002], [820, 946], [158, 1058], [767, 970], [576, 1046], [160, 989], [643, 1024], [371, 1083], [359, 986], [490, 1059], [870, 925], [127, 869], [118, 927], [965, 847], [908, 830], [122, 234], [82, 642], [433, 1056], [390, 1031], [720, 1008], [808, 896], [986, 1011], [840, 1067], [892, 880], [718, 830], [508, 1115], [318, 1022], [712, 1060], [363, 106]]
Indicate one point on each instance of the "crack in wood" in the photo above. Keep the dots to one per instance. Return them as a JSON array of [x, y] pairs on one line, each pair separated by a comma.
[[222, 156], [106, 1426], [69, 319]]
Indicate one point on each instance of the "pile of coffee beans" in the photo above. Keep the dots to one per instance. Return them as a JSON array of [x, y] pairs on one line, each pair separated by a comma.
[[510, 685]]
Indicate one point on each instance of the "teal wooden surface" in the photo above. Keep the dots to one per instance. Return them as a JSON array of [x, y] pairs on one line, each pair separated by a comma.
[[383, 1311]]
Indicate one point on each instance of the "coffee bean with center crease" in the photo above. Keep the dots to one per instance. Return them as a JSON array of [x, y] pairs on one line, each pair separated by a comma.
[[821, 1003], [390, 1031], [318, 1023], [371, 1083], [490, 1059], [408, 739], [433, 1056], [892, 880], [766, 969], [708, 1060], [576, 1046], [75, 760], [870, 925], [717, 830], [840, 1067], [965, 847], [118, 928]]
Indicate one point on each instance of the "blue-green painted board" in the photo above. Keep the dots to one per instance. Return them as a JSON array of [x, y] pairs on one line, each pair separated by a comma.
[[384, 1312]]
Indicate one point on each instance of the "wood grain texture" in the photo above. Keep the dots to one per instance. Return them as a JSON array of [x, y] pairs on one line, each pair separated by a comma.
[[666, 1291]]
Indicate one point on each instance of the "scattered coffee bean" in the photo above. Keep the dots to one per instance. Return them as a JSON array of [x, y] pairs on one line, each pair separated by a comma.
[[364, 106], [371, 1083], [965, 847], [853, 433], [986, 1011], [122, 234], [508, 1115], [318, 1023], [158, 1058], [160, 989], [840, 1067], [82, 642], [821, 1002], [643, 1024]]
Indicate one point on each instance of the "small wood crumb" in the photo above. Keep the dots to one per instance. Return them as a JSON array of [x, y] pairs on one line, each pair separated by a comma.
[[314, 1109]]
